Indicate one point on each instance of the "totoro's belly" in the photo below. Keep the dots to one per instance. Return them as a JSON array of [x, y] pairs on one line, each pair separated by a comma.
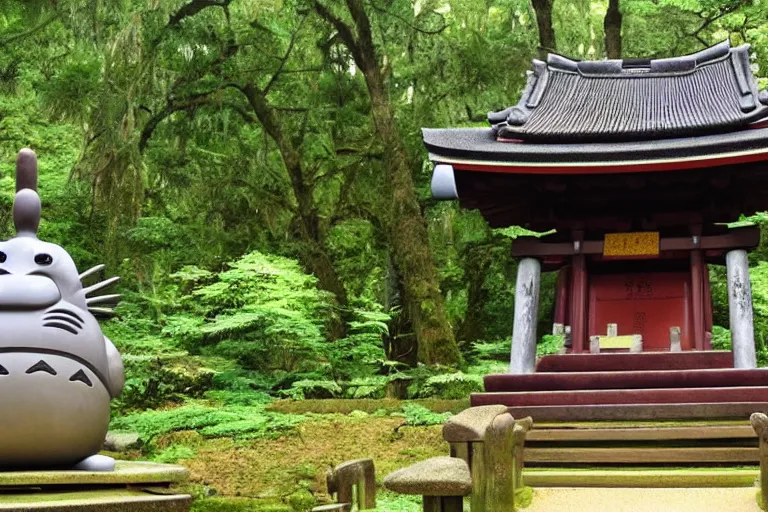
[[54, 410]]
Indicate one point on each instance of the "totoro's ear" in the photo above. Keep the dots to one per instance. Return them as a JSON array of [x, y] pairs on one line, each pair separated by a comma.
[[26, 170], [26, 204]]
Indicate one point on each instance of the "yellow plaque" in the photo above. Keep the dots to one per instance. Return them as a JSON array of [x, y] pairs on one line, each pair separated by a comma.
[[616, 341], [644, 243]]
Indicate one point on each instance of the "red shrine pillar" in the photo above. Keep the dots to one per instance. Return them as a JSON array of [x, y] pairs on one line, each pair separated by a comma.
[[578, 294], [697, 289]]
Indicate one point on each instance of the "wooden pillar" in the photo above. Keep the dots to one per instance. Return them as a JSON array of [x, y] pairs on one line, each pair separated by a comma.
[[579, 303], [708, 320], [561, 296], [697, 297], [740, 309], [523, 354]]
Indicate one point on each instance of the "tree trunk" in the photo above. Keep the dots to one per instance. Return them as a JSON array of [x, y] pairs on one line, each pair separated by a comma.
[[543, 10], [406, 225], [314, 255], [612, 26], [476, 263]]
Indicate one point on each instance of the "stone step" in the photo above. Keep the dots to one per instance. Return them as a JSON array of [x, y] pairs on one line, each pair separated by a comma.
[[644, 379], [559, 456], [623, 396], [615, 362], [640, 412], [641, 434]]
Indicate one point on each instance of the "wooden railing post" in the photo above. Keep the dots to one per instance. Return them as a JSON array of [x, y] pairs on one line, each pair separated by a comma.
[[759, 422], [344, 477], [492, 442]]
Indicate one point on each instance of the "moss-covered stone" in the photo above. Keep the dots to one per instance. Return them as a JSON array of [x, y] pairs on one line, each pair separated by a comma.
[[126, 472], [99, 500]]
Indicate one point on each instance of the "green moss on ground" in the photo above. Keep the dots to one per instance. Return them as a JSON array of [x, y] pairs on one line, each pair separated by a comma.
[[523, 497], [370, 406]]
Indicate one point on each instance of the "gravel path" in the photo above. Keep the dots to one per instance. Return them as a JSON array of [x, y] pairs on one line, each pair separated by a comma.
[[584, 499]]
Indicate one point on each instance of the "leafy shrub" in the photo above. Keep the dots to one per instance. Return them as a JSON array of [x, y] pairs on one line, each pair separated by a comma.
[[491, 350], [302, 389], [419, 416], [451, 386], [237, 421], [721, 338], [263, 312], [550, 344]]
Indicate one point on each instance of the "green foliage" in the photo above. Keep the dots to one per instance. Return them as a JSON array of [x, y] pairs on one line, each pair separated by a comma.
[[721, 338], [419, 416], [550, 344], [247, 422], [451, 386], [263, 311]]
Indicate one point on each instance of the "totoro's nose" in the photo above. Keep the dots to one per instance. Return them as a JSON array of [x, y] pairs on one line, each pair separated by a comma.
[[27, 292]]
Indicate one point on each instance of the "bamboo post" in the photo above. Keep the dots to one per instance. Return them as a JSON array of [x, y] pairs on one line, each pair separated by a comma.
[[759, 422], [500, 464], [520, 431]]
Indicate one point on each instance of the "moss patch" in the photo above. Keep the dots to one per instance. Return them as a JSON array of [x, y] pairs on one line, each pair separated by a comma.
[[276, 468], [523, 497], [370, 406]]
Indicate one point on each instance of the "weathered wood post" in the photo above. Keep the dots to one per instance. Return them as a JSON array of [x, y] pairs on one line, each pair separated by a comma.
[[492, 442], [760, 424], [344, 477], [500, 464], [523, 354], [740, 306]]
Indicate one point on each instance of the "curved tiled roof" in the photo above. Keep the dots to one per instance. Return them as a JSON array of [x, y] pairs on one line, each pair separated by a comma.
[[712, 91]]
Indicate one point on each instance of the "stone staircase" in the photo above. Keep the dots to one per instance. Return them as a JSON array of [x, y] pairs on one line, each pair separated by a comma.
[[642, 409]]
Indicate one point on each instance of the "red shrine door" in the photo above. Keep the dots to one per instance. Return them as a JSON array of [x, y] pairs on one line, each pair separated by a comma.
[[647, 303]]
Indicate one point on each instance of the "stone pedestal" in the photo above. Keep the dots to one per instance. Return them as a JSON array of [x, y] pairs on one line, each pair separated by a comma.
[[132, 487]]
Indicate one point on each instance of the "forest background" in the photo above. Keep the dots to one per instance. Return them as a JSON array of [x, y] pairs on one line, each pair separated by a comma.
[[254, 171]]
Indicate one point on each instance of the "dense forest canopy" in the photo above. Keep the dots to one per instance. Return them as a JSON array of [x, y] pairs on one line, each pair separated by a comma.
[[254, 170]]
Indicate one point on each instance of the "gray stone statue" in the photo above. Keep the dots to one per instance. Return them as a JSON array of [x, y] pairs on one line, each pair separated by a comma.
[[58, 372]]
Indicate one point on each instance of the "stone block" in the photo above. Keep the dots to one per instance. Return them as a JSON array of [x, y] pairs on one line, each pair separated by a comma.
[[471, 424], [438, 476]]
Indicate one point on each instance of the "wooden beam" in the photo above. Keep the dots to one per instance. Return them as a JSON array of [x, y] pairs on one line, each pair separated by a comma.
[[641, 434], [747, 237], [614, 455]]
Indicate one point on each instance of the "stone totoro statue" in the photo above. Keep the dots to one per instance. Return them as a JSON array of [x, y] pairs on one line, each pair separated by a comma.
[[58, 372]]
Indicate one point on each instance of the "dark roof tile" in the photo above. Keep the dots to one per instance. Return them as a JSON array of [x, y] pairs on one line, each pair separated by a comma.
[[712, 91]]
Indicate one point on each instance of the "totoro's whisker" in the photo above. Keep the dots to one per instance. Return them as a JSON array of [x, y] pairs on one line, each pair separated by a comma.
[[101, 285], [102, 299], [91, 271], [102, 312]]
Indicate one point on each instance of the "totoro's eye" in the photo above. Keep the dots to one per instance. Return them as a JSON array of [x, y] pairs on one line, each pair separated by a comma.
[[43, 259], [3, 257]]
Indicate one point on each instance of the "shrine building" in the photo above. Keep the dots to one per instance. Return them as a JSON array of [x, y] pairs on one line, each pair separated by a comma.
[[636, 169]]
